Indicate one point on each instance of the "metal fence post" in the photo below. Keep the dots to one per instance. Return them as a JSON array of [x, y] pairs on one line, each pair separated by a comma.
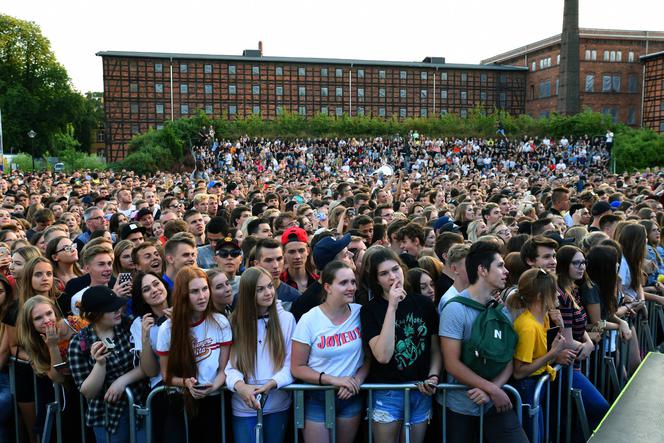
[[406, 414], [12, 390], [330, 413]]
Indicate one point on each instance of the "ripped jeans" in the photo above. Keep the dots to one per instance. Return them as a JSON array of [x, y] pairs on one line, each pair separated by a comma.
[[388, 406]]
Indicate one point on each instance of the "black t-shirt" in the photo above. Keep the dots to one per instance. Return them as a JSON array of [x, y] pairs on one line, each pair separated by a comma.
[[72, 287], [415, 323], [310, 298], [11, 315], [442, 284]]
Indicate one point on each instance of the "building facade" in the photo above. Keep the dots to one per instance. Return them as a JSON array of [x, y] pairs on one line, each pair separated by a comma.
[[143, 90], [653, 91], [611, 75]]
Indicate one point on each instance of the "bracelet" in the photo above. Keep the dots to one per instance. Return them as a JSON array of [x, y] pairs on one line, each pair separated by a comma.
[[433, 375], [320, 378]]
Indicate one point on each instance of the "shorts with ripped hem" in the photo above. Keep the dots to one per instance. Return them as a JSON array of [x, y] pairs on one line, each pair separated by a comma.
[[388, 406]]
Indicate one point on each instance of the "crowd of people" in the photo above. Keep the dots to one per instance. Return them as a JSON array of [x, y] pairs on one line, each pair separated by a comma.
[[327, 262]]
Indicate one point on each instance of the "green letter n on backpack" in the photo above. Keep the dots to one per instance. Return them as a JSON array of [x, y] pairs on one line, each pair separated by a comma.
[[492, 341]]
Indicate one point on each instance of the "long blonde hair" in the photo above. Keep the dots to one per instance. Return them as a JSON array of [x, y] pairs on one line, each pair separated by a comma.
[[243, 322], [30, 339]]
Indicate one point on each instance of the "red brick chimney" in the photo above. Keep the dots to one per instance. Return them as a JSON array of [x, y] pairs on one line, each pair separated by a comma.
[[260, 48]]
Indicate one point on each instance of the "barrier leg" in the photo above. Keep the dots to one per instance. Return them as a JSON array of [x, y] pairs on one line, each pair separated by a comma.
[[59, 394], [406, 415], [481, 423], [223, 416], [370, 414], [12, 389], [568, 389], [443, 418], [48, 422], [84, 434], [581, 413], [330, 413], [298, 413], [258, 430]]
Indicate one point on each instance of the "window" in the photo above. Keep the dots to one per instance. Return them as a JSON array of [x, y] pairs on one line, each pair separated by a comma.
[[403, 75], [231, 71], [184, 109], [360, 110], [423, 75], [612, 56], [232, 110], [381, 74], [280, 90], [593, 54], [279, 70], [133, 87], [381, 92], [339, 91], [661, 127], [463, 113], [587, 55], [280, 110], [208, 109], [338, 72], [402, 112], [301, 72], [632, 86], [158, 67], [533, 67], [402, 93], [256, 90], [502, 100], [606, 83], [134, 129], [424, 93], [424, 112], [606, 56], [381, 113], [208, 70], [159, 108], [483, 78], [615, 82], [301, 91], [323, 72], [443, 111], [302, 110], [464, 77], [590, 83], [323, 110], [255, 70], [323, 91], [160, 127], [232, 89], [443, 76], [256, 110], [159, 88], [619, 56], [557, 84], [443, 94], [183, 68], [208, 89], [631, 116], [338, 111], [545, 89], [184, 88], [558, 59], [464, 96], [630, 56], [483, 96], [360, 92], [133, 107], [360, 73]]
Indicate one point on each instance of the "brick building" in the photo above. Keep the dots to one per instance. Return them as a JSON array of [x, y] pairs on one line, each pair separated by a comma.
[[653, 91], [611, 74], [142, 90]]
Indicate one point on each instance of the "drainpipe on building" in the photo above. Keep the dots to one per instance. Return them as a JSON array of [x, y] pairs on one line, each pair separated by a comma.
[[171, 74], [350, 91], [434, 91]]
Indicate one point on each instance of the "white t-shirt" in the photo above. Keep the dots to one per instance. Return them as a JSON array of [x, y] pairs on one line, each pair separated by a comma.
[[76, 301], [208, 336], [626, 279], [335, 350], [137, 335]]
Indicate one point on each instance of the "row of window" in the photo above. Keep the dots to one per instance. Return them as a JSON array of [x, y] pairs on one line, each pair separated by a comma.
[[324, 72], [609, 56], [612, 83], [544, 63]]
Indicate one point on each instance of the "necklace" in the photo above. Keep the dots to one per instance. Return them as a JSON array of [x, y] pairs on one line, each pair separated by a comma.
[[265, 319]]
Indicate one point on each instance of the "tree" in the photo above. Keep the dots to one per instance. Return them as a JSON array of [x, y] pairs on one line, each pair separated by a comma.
[[35, 90]]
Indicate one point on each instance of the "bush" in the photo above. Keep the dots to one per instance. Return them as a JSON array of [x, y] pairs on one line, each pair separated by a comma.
[[636, 149], [24, 162], [147, 160]]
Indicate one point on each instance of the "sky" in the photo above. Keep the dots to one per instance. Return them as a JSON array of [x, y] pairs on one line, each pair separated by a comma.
[[464, 31]]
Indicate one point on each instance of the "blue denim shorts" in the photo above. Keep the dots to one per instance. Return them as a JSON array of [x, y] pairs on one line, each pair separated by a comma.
[[388, 406], [314, 406]]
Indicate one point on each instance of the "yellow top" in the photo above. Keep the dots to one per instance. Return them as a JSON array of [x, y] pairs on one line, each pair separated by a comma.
[[532, 341]]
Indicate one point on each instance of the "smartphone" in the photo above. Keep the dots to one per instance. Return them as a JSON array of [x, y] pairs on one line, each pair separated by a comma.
[[200, 386], [124, 277], [61, 365], [551, 334], [108, 343]]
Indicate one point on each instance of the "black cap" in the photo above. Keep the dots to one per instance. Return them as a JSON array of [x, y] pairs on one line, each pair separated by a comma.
[[129, 229], [101, 299], [600, 208]]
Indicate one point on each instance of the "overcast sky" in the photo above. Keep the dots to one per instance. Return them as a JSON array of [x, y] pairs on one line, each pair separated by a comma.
[[462, 31]]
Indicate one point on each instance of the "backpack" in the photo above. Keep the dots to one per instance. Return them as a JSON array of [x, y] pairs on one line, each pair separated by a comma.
[[492, 341]]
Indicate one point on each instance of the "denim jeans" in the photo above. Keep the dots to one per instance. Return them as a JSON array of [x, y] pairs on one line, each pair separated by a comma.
[[526, 387], [274, 428], [593, 402], [6, 408], [121, 434]]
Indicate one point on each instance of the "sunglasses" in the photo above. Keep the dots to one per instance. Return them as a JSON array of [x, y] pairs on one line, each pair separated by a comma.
[[225, 253]]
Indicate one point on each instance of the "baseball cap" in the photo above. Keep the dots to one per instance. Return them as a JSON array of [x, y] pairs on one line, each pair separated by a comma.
[[129, 229], [600, 208], [231, 186], [213, 184], [101, 299], [226, 242], [294, 234], [327, 249]]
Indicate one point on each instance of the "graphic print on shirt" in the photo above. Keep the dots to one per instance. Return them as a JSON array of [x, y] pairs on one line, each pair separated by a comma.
[[339, 339], [411, 334], [203, 348]]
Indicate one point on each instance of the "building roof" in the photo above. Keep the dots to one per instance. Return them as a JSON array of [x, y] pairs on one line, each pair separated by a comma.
[[306, 60], [615, 34], [651, 56]]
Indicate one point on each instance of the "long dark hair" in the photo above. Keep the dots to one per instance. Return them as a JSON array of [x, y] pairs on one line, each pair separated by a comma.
[[138, 305], [633, 242], [565, 256], [602, 262], [382, 254]]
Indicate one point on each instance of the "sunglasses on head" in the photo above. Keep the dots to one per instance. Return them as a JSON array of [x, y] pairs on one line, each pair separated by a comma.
[[225, 253]]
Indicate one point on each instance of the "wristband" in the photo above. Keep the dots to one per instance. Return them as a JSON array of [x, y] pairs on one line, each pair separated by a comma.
[[320, 378], [433, 375]]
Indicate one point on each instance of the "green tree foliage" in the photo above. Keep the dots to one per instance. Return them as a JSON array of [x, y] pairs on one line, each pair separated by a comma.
[[638, 149], [36, 92]]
